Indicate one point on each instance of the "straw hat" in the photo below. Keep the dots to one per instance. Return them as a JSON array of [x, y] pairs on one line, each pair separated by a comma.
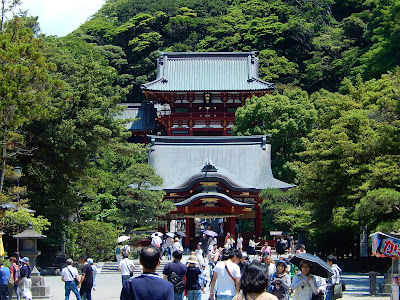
[[192, 260]]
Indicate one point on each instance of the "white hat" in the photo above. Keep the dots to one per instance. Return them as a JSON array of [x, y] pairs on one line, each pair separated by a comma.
[[24, 260]]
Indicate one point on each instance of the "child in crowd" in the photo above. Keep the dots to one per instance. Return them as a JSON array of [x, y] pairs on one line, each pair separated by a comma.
[[203, 278], [199, 254]]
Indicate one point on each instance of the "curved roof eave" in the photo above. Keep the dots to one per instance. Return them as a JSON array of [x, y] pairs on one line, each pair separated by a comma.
[[232, 183], [215, 195]]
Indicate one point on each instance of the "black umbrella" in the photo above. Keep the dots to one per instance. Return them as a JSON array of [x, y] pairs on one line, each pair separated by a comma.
[[180, 233], [318, 266]]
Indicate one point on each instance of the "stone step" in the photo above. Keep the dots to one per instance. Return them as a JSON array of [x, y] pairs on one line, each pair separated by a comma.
[[112, 267]]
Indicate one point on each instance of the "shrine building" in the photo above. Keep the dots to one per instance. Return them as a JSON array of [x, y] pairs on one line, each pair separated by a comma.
[[207, 173]]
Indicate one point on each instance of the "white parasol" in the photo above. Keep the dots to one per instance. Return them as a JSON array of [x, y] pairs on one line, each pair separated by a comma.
[[122, 238]]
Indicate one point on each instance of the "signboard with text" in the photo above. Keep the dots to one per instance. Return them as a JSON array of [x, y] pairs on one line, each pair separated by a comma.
[[385, 245]]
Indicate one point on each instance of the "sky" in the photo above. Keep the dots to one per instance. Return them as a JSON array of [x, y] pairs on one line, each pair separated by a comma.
[[60, 17]]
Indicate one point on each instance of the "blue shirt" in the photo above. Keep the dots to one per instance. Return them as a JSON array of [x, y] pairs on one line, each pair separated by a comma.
[[4, 275], [147, 286]]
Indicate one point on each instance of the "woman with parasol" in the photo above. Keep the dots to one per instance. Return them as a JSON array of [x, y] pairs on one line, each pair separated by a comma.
[[304, 284]]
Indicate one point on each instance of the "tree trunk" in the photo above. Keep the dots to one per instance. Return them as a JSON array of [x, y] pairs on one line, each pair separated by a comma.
[[3, 12], [3, 167]]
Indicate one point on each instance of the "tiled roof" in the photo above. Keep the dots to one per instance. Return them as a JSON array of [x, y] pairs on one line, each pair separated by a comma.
[[207, 71], [10, 205], [144, 113], [244, 162]]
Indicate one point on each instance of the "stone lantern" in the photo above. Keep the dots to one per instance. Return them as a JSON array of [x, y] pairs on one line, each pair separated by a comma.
[[27, 246]]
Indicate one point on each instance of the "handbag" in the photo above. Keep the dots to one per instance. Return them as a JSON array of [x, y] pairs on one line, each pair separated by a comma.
[[337, 291], [10, 282], [319, 296]]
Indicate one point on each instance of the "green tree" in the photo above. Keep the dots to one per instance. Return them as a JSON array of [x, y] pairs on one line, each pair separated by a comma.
[[15, 222], [274, 68], [350, 162], [382, 52], [287, 117], [379, 206], [25, 89], [84, 109], [7, 6], [141, 206], [286, 211], [92, 238]]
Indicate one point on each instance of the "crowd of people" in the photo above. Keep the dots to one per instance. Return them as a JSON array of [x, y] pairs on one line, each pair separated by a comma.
[[229, 272], [16, 279]]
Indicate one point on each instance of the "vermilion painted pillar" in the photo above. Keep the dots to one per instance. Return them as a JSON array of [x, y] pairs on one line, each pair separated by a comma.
[[258, 221], [230, 226], [189, 231]]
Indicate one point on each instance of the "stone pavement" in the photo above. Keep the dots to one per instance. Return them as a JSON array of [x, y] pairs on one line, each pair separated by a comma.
[[109, 286]]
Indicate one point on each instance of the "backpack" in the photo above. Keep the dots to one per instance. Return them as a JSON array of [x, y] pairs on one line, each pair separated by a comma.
[[176, 280]]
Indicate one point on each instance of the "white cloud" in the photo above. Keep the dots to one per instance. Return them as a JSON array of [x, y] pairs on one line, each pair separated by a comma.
[[60, 17]]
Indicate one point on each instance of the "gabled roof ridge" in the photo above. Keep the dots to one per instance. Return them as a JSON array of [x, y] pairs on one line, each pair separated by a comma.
[[188, 54]]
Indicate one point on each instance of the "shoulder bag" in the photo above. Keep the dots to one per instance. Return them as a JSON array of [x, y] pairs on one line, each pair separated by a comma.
[[10, 281], [230, 275], [176, 280]]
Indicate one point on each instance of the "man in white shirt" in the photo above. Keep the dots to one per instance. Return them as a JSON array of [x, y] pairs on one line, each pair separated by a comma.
[[176, 246], [68, 274], [331, 260], [126, 266], [227, 272], [156, 241]]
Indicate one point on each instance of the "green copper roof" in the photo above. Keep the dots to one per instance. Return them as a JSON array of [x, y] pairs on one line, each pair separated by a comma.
[[144, 115], [207, 71]]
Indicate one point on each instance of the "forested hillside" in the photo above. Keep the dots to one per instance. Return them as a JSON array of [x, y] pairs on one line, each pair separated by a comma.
[[309, 43]]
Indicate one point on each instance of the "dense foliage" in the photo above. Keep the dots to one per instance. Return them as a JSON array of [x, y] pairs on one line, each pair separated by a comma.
[[59, 103], [311, 43], [93, 238], [345, 161]]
